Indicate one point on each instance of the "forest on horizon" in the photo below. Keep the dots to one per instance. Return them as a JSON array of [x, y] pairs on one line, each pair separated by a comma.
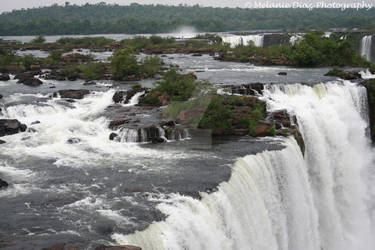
[[104, 18]]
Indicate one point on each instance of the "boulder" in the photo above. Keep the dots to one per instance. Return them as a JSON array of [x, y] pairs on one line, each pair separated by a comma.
[[117, 123], [282, 73], [29, 79], [32, 82], [3, 184], [73, 141], [4, 77], [72, 93], [2, 142], [1, 96], [113, 136], [119, 96], [10, 127]]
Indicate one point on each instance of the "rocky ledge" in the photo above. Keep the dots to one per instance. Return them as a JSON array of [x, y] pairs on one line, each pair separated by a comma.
[[10, 127], [3, 184], [64, 246]]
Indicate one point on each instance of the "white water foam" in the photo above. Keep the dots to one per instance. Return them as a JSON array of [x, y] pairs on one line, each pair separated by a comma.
[[280, 200], [366, 47]]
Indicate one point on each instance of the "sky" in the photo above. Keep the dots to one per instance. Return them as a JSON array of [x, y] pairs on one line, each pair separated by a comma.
[[8, 5]]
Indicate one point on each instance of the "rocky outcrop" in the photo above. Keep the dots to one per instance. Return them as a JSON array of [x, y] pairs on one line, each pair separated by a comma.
[[29, 79], [370, 87], [4, 77], [3, 184], [72, 93], [126, 96], [245, 89], [346, 75], [10, 127], [119, 96], [128, 247]]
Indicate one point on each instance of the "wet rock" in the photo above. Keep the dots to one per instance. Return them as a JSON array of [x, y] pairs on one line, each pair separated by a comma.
[[32, 82], [4, 77], [246, 89], [3, 184], [118, 97], [89, 83], [117, 123], [58, 246], [131, 93], [10, 127], [281, 117], [2, 142], [1, 97], [282, 73], [29, 79], [72, 93], [127, 247], [125, 96], [72, 77], [113, 136], [35, 122], [74, 140], [351, 75]]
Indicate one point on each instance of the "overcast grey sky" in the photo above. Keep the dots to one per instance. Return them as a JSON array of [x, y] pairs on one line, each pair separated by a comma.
[[8, 5]]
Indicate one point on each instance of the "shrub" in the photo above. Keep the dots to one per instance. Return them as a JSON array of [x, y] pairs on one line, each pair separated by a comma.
[[124, 63], [151, 65], [93, 71], [39, 39]]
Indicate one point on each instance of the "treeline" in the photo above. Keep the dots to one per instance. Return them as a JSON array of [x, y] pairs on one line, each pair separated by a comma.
[[136, 18]]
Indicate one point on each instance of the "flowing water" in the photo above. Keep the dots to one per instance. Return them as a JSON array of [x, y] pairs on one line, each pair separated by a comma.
[[366, 47], [70, 183], [282, 199]]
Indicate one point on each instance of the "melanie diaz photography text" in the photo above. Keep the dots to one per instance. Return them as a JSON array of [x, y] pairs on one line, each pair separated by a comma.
[[309, 5]]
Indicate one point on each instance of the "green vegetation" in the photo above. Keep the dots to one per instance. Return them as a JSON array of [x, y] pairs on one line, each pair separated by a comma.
[[92, 71], [89, 42], [314, 50], [217, 115], [101, 18], [151, 65], [124, 65], [38, 39], [173, 87]]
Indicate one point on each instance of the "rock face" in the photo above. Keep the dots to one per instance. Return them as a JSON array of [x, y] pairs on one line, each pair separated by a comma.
[[4, 77], [125, 96], [246, 89], [10, 127], [118, 97], [118, 248], [351, 75], [29, 79], [3, 184], [72, 93]]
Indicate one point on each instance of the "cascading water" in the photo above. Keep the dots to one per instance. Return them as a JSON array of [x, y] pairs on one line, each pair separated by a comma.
[[366, 47], [234, 41], [282, 200]]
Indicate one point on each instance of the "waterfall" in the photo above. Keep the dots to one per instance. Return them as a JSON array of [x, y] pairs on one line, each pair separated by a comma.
[[295, 39], [234, 41], [366, 47], [135, 99], [282, 200]]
